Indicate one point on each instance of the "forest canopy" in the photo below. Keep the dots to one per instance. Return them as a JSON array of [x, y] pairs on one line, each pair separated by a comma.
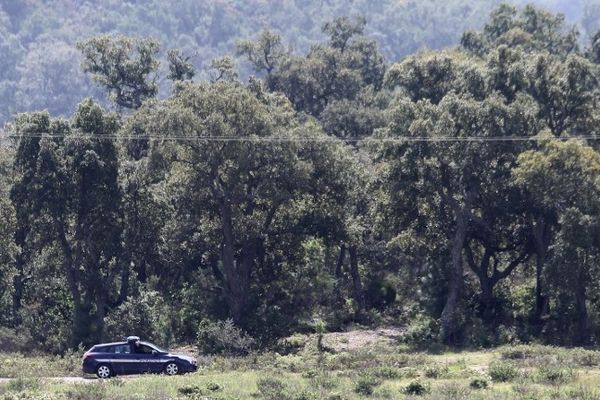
[[435, 168]]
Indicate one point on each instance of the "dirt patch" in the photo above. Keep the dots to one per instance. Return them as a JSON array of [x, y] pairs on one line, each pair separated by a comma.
[[361, 338]]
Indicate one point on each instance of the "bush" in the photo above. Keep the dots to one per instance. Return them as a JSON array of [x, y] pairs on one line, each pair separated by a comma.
[[21, 384], [144, 315], [190, 390], [87, 391], [214, 387], [11, 341], [416, 388], [223, 337], [272, 389], [555, 375], [455, 391], [387, 373], [366, 384], [422, 332], [502, 371], [478, 383], [435, 371], [518, 353]]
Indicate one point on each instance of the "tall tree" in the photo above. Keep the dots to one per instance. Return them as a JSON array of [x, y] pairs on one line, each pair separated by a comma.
[[67, 194], [243, 168], [564, 180], [125, 66]]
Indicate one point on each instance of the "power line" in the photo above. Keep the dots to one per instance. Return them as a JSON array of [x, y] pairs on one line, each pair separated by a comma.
[[323, 139]]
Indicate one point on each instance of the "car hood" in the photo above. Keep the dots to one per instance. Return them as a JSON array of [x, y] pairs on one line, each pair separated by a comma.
[[182, 357]]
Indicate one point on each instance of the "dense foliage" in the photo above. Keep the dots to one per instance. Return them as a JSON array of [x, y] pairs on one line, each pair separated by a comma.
[[333, 188], [38, 38]]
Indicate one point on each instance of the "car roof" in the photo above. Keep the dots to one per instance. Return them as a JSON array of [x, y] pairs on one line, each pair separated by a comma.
[[110, 344]]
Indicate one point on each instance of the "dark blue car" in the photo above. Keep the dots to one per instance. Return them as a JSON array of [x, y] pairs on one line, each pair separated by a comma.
[[134, 357]]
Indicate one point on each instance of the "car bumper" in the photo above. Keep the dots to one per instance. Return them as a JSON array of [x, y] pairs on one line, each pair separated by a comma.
[[88, 367], [187, 368]]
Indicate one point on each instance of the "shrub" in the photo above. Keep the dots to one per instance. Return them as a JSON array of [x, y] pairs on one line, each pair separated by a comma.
[[555, 375], [190, 390], [214, 387], [455, 391], [324, 381], [306, 395], [11, 341], [479, 383], [223, 337], [422, 332], [272, 389], [21, 384], [435, 371], [366, 384], [387, 373], [502, 371], [87, 391], [144, 314], [416, 388], [517, 353]]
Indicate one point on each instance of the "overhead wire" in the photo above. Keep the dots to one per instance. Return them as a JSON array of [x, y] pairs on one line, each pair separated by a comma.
[[280, 139]]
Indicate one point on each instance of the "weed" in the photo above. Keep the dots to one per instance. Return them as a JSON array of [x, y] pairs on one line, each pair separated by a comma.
[[214, 387], [555, 375], [87, 391], [435, 371], [416, 388], [366, 384], [501, 371], [387, 373], [272, 389], [455, 391], [479, 383], [21, 384]]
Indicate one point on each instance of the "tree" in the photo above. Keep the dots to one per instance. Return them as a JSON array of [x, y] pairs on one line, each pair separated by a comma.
[[8, 250], [468, 182], [264, 54], [563, 180], [340, 70], [237, 188], [125, 66], [67, 195], [42, 83], [180, 67], [532, 30]]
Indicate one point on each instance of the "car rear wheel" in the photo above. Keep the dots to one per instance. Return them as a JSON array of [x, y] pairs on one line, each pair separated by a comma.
[[171, 369], [103, 371]]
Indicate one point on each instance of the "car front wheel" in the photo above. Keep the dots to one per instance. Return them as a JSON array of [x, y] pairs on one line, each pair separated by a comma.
[[103, 371], [171, 369]]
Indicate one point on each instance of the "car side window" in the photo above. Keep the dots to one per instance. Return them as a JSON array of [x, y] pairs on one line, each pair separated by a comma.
[[108, 349], [123, 349], [143, 349]]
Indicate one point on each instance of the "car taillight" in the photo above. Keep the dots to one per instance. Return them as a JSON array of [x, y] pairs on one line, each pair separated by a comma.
[[86, 356]]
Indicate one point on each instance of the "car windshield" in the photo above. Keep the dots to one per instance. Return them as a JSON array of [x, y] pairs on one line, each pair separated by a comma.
[[154, 347]]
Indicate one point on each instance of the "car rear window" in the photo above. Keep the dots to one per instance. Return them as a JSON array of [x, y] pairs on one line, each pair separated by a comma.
[[119, 349]]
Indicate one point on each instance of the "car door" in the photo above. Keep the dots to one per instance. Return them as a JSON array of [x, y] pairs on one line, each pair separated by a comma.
[[123, 360], [145, 359]]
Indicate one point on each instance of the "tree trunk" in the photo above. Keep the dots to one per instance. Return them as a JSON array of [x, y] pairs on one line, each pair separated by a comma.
[[235, 272], [357, 289], [338, 272], [541, 249], [582, 335], [449, 317], [18, 287], [487, 299]]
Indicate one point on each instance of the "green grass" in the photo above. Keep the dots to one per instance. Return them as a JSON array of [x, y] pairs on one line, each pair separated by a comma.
[[375, 372]]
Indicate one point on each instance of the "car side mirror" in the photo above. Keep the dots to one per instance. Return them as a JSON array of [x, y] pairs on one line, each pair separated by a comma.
[[154, 352]]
